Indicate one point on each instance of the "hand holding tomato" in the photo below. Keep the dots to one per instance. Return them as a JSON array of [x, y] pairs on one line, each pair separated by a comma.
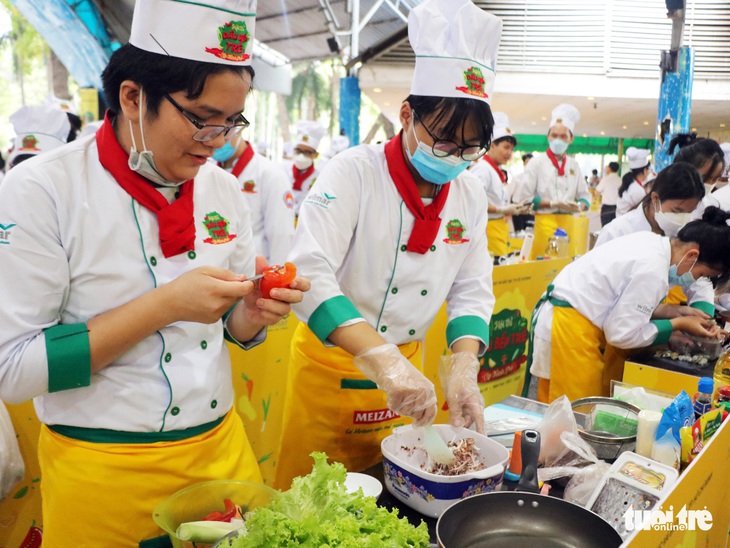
[[277, 276]]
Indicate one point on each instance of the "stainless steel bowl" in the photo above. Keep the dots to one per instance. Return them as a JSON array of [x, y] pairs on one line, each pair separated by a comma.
[[608, 443]]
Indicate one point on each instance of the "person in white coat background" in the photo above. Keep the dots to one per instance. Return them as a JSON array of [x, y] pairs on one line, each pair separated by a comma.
[[390, 232], [268, 194], [38, 129], [125, 268], [607, 301], [634, 183], [608, 189], [302, 171], [553, 181], [488, 171]]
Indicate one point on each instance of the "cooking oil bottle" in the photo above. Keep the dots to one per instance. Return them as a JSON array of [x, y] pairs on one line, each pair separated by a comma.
[[721, 375]]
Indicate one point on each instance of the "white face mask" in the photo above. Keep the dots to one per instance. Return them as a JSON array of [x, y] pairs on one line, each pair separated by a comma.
[[144, 162], [670, 223], [302, 162]]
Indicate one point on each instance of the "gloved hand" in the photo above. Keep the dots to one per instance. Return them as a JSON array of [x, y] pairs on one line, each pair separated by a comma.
[[515, 209], [458, 374], [568, 207], [409, 392]]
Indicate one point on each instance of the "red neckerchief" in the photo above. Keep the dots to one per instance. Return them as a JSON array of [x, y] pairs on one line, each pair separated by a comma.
[[301, 176], [427, 217], [242, 161], [175, 220], [502, 176], [560, 167]]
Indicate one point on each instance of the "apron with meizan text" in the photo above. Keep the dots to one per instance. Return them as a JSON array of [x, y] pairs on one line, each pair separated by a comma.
[[332, 407]]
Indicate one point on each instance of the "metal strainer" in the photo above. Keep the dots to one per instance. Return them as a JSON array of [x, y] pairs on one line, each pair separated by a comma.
[[609, 425]]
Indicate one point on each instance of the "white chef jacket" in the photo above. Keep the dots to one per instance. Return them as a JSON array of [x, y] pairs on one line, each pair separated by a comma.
[[608, 189], [701, 291], [541, 181], [495, 189], [630, 198], [351, 238], [77, 245], [270, 200], [720, 198], [616, 287], [299, 195]]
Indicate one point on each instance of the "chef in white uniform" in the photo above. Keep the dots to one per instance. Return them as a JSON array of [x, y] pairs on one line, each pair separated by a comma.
[[606, 302], [488, 171], [38, 129], [634, 183], [124, 268], [302, 171], [553, 181], [391, 232], [268, 194]]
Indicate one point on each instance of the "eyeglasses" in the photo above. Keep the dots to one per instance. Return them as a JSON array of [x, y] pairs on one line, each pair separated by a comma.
[[309, 153], [208, 132], [443, 148]]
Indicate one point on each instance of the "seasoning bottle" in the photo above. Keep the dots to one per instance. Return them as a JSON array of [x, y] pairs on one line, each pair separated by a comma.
[[558, 244], [703, 398], [721, 375]]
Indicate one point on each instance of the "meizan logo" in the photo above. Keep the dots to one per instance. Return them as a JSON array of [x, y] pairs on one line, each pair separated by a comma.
[[5, 233]]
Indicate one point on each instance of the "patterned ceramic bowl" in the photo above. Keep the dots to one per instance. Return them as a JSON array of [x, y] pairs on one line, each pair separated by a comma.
[[430, 494]]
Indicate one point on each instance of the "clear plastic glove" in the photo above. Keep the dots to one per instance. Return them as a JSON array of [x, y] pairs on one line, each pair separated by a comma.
[[515, 209], [458, 374], [410, 393], [570, 207]]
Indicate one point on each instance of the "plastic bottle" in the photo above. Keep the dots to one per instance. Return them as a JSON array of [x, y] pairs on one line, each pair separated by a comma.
[[558, 244], [721, 376], [702, 401]]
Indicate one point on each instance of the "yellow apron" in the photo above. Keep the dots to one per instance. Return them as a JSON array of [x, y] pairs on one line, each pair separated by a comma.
[[676, 296], [497, 236], [545, 226], [332, 407], [103, 494], [581, 362]]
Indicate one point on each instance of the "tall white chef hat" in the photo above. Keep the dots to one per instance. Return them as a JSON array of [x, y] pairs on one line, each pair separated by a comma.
[[214, 31], [565, 114], [456, 49], [38, 128], [501, 127], [309, 133], [726, 150], [637, 157]]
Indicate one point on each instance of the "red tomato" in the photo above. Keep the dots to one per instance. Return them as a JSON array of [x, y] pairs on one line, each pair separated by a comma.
[[277, 276]]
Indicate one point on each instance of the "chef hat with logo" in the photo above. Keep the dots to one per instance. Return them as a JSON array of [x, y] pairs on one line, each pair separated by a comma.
[[38, 128], [637, 157], [215, 31], [726, 151], [501, 127], [565, 114], [309, 133], [456, 49]]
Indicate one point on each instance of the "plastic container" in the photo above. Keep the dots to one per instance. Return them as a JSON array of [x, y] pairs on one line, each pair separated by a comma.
[[692, 345], [702, 401], [721, 376], [196, 501], [558, 244]]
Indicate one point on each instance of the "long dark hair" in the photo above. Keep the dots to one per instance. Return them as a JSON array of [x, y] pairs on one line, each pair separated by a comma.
[[697, 151], [456, 111], [677, 181], [629, 178], [158, 75], [712, 235]]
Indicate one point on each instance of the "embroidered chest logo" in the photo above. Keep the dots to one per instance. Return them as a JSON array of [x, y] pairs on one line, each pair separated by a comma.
[[5, 233], [289, 200], [474, 80], [455, 231], [249, 187], [29, 143], [217, 228], [233, 38], [572, 172]]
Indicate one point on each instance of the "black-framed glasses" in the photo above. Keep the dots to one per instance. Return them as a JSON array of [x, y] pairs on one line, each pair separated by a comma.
[[208, 132], [443, 147]]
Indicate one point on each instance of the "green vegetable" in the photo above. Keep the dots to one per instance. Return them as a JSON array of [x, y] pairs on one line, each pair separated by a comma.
[[318, 512], [205, 531]]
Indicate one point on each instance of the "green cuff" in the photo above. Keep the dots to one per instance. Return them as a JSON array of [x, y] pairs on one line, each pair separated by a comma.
[[69, 357], [467, 326], [330, 314], [536, 202], [586, 202], [665, 330], [707, 308]]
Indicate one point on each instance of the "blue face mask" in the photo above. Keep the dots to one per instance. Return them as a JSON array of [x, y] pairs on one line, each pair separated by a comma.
[[686, 279], [224, 153], [435, 170], [558, 146]]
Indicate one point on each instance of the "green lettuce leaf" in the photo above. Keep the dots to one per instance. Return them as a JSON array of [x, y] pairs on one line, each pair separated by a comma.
[[319, 512]]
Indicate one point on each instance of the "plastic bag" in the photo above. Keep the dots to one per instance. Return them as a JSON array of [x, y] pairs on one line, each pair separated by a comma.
[[584, 482], [558, 418], [12, 468]]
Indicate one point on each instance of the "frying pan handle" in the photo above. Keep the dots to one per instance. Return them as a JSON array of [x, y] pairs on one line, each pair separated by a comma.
[[530, 452]]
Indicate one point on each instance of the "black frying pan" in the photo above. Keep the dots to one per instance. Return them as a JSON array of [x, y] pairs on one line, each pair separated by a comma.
[[513, 519]]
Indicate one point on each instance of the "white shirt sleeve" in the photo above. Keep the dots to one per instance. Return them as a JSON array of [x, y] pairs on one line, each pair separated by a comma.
[[278, 213]]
